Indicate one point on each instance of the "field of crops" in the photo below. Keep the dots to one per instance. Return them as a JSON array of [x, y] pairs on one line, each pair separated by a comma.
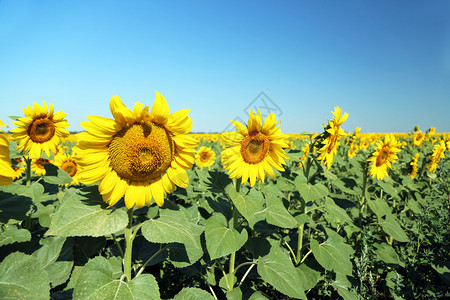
[[138, 207]]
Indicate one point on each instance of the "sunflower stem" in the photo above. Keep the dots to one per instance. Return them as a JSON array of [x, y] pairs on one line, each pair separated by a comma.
[[28, 170], [362, 203], [301, 228], [234, 224], [128, 245]]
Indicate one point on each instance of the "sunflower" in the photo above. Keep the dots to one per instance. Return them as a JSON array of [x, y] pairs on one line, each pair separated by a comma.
[[330, 138], [69, 164], [139, 154], [254, 149], [438, 153], [418, 138], [40, 130], [352, 150], [305, 151], [38, 165], [414, 166], [385, 154], [18, 167], [205, 157], [7, 173]]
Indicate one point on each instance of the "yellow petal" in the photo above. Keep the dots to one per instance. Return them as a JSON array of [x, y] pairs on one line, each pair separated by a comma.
[[160, 109]]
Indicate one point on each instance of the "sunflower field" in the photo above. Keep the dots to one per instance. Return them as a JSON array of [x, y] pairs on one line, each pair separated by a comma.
[[138, 207]]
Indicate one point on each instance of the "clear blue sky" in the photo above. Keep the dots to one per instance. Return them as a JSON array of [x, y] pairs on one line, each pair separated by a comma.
[[386, 63]]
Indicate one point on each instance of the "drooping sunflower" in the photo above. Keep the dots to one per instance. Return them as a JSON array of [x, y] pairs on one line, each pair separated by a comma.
[[69, 164], [40, 130], [38, 165], [437, 154], [331, 137], [414, 166], [7, 173], [254, 149], [205, 157], [385, 154], [139, 154]]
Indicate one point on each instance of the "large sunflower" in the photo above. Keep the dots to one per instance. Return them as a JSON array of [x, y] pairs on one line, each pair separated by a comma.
[[7, 173], [40, 130], [139, 154], [254, 149], [205, 157], [38, 165], [385, 154], [331, 137]]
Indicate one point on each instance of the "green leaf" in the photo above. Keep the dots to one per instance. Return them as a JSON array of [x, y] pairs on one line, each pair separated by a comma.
[[12, 234], [392, 228], [97, 281], [184, 255], [308, 191], [58, 271], [414, 206], [379, 207], [443, 268], [335, 214], [333, 254], [55, 175], [277, 214], [221, 240], [234, 294], [172, 226], [347, 295], [388, 255], [250, 206], [387, 186], [76, 217], [22, 277], [277, 269], [258, 296], [309, 276], [193, 294]]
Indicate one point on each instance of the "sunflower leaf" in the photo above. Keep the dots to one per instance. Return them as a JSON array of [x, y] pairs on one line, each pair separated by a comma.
[[221, 240], [277, 269], [97, 280], [77, 216], [193, 294], [55, 175], [391, 227], [12, 234], [22, 277]]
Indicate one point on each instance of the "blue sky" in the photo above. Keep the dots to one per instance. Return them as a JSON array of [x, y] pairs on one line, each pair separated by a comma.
[[386, 63]]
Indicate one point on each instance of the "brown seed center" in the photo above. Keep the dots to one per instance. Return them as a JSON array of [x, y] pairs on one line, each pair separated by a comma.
[[41, 130], [254, 148], [141, 151]]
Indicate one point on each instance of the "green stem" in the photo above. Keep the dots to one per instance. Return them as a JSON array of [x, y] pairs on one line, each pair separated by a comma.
[[162, 249], [28, 170], [234, 224], [362, 203], [128, 245], [301, 228]]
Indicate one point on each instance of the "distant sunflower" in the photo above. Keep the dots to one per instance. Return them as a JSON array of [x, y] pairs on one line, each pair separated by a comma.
[[139, 154], [7, 173], [352, 150], [19, 167], [205, 157], [331, 137], [254, 149], [438, 153], [385, 154], [305, 151], [38, 165], [69, 164], [40, 130], [414, 166], [418, 138]]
